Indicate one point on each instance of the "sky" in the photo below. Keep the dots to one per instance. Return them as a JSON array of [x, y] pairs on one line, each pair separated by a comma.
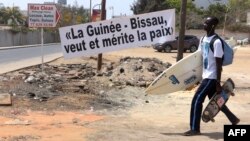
[[119, 6]]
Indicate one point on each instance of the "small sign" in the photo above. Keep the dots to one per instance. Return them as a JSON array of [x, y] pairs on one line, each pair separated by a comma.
[[236, 132], [42, 15], [64, 2], [96, 15]]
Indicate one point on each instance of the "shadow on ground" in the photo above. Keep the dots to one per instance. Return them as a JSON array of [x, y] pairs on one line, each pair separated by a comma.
[[212, 135]]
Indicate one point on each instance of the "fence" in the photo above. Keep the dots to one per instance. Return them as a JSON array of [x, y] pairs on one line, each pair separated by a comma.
[[8, 38]]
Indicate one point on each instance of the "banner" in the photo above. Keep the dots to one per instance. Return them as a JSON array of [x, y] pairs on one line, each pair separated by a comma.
[[116, 34]]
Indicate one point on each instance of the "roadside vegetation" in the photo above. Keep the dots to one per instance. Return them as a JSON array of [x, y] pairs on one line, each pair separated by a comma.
[[233, 16]]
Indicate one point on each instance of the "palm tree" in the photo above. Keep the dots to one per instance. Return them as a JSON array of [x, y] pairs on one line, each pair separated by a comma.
[[1, 13], [12, 16]]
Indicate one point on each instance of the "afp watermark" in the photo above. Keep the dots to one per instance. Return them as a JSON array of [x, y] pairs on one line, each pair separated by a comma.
[[236, 132]]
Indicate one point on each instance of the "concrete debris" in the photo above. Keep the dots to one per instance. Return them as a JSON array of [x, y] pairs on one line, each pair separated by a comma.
[[18, 122], [82, 78], [5, 99]]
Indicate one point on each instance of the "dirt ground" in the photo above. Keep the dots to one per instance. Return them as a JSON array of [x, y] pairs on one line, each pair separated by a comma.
[[126, 114]]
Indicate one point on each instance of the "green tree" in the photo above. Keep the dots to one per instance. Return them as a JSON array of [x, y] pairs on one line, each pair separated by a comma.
[[1, 15], [218, 10], [72, 15], [145, 6], [82, 15], [12, 16], [175, 4], [238, 10]]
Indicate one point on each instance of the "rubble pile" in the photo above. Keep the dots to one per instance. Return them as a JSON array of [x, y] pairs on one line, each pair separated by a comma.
[[81, 79]]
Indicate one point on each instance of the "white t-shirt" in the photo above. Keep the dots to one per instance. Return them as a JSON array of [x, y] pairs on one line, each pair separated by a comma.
[[209, 61]]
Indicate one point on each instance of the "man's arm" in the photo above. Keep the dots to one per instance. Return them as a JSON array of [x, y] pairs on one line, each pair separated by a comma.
[[219, 70], [218, 54]]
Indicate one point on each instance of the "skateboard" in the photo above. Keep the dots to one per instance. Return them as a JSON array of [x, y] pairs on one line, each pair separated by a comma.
[[218, 100]]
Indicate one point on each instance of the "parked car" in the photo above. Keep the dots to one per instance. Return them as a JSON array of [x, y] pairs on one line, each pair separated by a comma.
[[191, 43]]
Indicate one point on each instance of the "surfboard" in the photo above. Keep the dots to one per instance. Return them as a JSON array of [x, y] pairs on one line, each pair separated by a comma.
[[180, 76]]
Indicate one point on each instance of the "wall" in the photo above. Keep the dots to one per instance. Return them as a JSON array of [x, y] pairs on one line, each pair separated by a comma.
[[8, 38]]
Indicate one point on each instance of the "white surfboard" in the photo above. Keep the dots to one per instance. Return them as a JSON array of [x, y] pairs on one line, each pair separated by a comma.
[[179, 76]]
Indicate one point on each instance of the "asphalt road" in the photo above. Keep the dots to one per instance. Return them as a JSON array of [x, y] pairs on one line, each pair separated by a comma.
[[24, 53]]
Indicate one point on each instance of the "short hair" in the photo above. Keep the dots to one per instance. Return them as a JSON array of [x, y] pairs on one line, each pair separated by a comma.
[[215, 20]]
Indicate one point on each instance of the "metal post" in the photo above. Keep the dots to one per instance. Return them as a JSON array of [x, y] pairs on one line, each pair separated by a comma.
[[90, 10], [103, 17], [182, 30], [42, 49]]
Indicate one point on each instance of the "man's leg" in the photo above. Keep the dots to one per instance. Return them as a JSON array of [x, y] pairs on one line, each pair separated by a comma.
[[196, 108], [232, 118]]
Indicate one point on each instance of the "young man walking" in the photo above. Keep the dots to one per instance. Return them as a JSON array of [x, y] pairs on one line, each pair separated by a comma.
[[211, 77]]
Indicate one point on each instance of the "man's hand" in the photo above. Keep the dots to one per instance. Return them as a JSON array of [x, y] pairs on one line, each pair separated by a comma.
[[218, 88]]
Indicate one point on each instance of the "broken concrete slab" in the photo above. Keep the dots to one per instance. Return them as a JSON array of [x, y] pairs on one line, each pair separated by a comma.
[[17, 122], [5, 99]]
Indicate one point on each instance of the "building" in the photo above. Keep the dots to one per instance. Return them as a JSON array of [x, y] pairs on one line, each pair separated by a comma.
[[62, 2], [248, 18], [205, 3]]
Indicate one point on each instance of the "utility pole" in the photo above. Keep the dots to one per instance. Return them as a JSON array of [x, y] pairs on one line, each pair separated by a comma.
[[182, 30], [103, 17], [90, 10]]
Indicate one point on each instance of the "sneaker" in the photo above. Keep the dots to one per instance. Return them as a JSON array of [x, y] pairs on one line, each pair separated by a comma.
[[192, 133], [236, 122]]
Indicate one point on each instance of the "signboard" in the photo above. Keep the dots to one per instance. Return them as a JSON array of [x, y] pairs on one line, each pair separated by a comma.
[[64, 2], [42, 15], [116, 34], [96, 15]]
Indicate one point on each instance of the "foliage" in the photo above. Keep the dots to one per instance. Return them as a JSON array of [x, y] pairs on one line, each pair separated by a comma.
[[69, 15], [238, 10], [234, 12], [1, 17], [218, 10], [72, 15], [145, 6], [12, 16], [239, 28]]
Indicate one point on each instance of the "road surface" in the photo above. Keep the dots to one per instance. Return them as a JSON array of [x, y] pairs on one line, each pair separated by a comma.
[[20, 57]]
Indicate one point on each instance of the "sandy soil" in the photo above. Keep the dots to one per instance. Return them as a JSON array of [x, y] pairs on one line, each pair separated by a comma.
[[152, 118]]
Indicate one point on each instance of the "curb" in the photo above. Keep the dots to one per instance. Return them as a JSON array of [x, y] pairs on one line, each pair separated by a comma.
[[35, 64], [26, 46]]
